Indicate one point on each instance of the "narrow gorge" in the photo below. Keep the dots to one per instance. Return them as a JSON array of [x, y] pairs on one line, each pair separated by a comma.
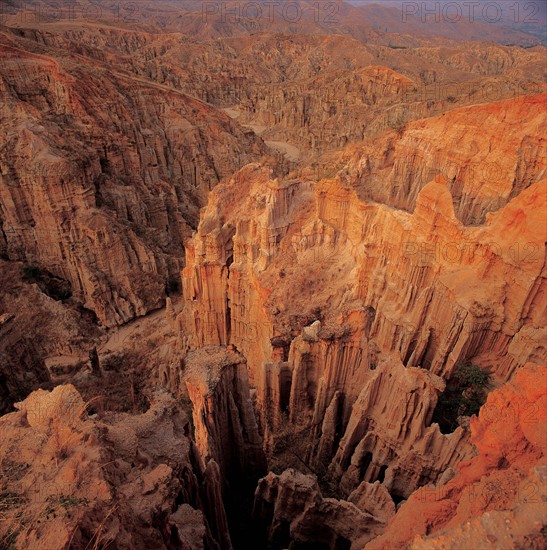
[[271, 286]]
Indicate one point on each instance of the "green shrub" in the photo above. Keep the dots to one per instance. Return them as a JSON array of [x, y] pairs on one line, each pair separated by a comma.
[[464, 395]]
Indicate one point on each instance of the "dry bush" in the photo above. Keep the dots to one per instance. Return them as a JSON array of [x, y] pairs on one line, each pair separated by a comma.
[[64, 429]]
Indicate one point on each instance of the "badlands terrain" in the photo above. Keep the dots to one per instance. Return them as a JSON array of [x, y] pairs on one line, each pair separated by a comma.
[[273, 275]]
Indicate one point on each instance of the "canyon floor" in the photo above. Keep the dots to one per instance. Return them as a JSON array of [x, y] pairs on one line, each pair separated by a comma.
[[272, 276]]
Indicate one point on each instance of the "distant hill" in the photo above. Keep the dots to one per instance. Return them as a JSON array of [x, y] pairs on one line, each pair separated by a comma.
[[521, 22], [385, 22]]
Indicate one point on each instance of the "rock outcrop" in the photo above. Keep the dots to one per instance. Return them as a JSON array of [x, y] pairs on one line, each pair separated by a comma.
[[339, 304], [340, 278], [143, 150], [226, 433], [225, 427], [292, 511], [483, 176], [129, 481], [497, 499], [494, 500], [389, 436], [326, 112], [65, 330], [327, 89], [103, 174]]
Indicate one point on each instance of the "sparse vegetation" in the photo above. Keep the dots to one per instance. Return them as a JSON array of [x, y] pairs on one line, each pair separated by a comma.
[[64, 502], [7, 541], [291, 449], [32, 272], [12, 471], [398, 125], [10, 500], [121, 387], [63, 429], [464, 395]]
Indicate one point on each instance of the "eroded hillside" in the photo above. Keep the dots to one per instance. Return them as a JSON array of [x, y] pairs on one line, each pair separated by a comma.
[[270, 288]]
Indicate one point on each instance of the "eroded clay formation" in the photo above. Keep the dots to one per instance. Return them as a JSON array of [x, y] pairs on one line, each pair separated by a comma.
[[241, 272]]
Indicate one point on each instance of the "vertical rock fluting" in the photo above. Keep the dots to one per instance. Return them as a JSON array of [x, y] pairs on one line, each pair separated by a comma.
[[327, 112], [320, 92], [444, 299], [225, 301], [351, 299], [212, 489], [482, 176], [224, 421], [326, 361], [496, 499], [327, 295], [226, 434], [103, 175], [290, 507], [389, 436]]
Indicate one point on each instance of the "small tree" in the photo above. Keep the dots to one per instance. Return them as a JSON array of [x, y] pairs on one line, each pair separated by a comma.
[[464, 395]]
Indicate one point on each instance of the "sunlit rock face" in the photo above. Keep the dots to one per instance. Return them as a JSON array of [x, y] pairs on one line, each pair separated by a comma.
[[352, 314], [134, 478], [490, 490], [225, 428], [102, 176], [272, 286], [493, 499], [271, 257]]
